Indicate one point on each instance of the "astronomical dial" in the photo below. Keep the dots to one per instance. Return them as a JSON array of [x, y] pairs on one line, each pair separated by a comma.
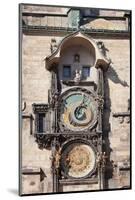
[[78, 160], [78, 111]]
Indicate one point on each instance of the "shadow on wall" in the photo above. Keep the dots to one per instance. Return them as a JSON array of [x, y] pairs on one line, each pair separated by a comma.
[[106, 131], [113, 76]]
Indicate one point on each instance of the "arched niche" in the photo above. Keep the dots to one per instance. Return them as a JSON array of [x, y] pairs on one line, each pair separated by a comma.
[[76, 53], [73, 40]]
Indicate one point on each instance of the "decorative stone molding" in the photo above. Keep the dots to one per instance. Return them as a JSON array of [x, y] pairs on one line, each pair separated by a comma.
[[127, 119], [100, 59], [81, 83], [122, 117], [43, 141], [125, 166], [76, 182], [40, 108], [123, 114]]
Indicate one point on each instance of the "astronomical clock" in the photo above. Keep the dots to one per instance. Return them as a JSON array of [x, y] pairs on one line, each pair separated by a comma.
[[78, 110], [78, 157], [78, 120], [73, 119]]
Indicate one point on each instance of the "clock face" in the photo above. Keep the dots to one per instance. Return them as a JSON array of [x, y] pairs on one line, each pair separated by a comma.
[[78, 111], [78, 160]]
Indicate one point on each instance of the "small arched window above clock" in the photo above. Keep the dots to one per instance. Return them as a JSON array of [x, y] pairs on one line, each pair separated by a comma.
[[85, 71], [66, 71]]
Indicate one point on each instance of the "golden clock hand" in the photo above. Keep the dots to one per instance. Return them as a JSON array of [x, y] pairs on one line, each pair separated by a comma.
[[83, 101]]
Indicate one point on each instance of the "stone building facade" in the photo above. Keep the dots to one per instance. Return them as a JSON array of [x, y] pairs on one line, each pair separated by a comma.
[[75, 99]]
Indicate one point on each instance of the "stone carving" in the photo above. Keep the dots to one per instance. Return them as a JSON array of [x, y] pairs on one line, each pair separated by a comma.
[[53, 45], [101, 159], [124, 165], [78, 75], [100, 101], [102, 48], [56, 153], [24, 106], [54, 100], [43, 141], [95, 140], [40, 108], [127, 119], [120, 119], [57, 158], [100, 45], [76, 58]]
